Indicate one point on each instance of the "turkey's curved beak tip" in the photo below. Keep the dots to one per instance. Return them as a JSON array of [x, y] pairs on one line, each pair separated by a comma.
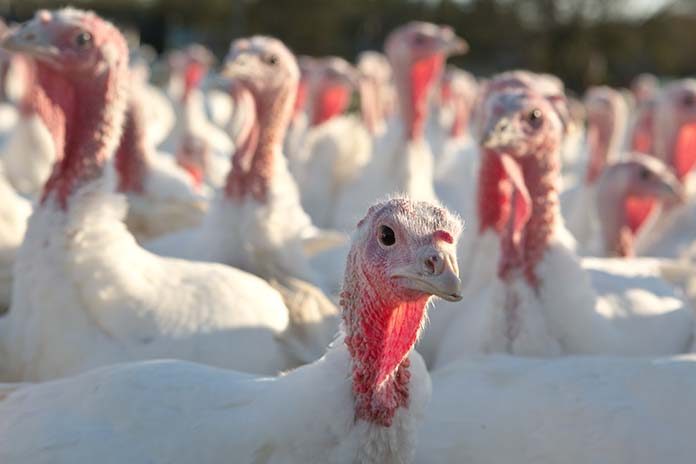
[[459, 46], [444, 283]]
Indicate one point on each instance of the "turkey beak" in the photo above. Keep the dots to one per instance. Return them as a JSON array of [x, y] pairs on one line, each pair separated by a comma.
[[33, 39], [453, 44], [672, 191], [499, 135], [434, 272]]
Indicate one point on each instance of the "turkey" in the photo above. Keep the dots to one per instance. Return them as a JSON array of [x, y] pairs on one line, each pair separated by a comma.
[[606, 124], [417, 52], [645, 89], [80, 270], [626, 191], [544, 302], [256, 222], [500, 409], [670, 234], [199, 145], [361, 402], [336, 146], [162, 197], [299, 121], [457, 163], [158, 110], [374, 85]]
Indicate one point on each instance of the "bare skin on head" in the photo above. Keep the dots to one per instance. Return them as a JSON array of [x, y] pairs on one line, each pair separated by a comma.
[[417, 52], [404, 252], [81, 63], [627, 192], [269, 71], [517, 196]]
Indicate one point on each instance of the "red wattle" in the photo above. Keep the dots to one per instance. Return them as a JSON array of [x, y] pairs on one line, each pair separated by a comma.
[[192, 76], [493, 204], [300, 97], [637, 211], [685, 150], [423, 73], [194, 171], [331, 101]]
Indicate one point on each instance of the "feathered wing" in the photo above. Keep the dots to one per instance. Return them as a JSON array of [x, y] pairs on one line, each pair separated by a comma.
[[613, 306], [14, 213], [124, 303]]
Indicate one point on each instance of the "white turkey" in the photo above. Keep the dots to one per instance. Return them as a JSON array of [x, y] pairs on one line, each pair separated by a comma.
[[541, 300], [417, 52], [85, 294], [671, 232], [606, 124], [362, 402], [457, 163], [256, 222], [201, 147], [162, 197], [336, 145]]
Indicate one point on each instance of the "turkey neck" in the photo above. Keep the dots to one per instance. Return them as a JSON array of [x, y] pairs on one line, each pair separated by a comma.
[[254, 159], [600, 135], [131, 156], [414, 85], [369, 106], [522, 248], [91, 111], [380, 332]]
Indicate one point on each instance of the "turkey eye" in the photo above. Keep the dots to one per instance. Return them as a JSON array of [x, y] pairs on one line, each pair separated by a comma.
[[83, 38], [272, 60], [688, 100], [644, 174], [535, 118], [386, 236], [419, 39]]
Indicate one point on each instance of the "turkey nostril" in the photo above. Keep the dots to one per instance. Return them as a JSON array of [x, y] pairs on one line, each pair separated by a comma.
[[433, 264]]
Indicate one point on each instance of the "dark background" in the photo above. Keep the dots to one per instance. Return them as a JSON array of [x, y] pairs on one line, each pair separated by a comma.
[[583, 41]]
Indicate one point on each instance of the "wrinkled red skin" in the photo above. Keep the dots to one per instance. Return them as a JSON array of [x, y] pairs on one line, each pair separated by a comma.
[[131, 156], [77, 105], [382, 320], [422, 73], [494, 206], [331, 101]]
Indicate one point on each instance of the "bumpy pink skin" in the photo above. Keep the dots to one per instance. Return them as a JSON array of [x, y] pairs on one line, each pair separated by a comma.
[[535, 152], [80, 94], [417, 52], [131, 160], [268, 70], [639, 179], [382, 319]]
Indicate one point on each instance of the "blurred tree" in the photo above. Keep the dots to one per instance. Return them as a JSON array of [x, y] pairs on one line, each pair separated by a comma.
[[584, 42]]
